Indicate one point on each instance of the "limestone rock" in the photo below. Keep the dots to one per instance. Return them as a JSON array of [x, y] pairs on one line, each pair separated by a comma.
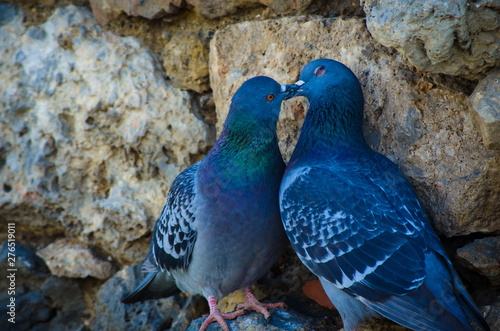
[[281, 319], [30, 267], [485, 106], [74, 261], [492, 313], [185, 58], [29, 275], [33, 310], [91, 134], [56, 304], [174, 313], [483, 256], [451, 37], [218, 8], [421, 122], [67, 299], [192, 308], [107, 10], [111, 314], [229, 302]]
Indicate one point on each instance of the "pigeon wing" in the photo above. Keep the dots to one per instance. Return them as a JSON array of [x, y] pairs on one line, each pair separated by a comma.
[[174, 236], [363, 231]]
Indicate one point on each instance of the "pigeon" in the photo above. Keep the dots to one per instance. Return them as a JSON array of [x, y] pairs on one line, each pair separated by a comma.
[[356, 222], [220, 229]]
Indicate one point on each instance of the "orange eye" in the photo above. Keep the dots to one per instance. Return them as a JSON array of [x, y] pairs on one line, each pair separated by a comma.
[[270, 97], [320, 71]]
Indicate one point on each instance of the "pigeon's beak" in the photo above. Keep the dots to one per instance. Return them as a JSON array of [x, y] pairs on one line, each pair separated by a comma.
[[293, 89]]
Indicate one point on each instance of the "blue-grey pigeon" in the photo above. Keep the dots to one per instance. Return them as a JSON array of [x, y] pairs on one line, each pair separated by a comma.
[[356, 222], [220, 229]]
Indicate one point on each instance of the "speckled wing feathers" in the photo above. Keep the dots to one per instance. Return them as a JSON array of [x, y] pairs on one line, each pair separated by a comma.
[[174, 236], [361, 238]]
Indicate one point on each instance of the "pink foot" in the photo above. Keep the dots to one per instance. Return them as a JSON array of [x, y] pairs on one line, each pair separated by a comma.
[[217, 316], [252, 303]]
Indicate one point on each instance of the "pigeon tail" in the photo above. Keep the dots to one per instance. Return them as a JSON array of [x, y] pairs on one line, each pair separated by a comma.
[[447, 303], [155, 285], [464, 303]]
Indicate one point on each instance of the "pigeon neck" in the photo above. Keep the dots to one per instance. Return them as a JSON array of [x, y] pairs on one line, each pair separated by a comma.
[[244, 148], [331, 126], [240, 135]]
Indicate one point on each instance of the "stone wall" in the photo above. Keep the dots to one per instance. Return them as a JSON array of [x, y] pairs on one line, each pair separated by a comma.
[[103, 103]]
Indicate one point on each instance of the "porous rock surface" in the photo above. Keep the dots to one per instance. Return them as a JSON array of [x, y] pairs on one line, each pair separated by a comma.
[[185, 58], [452, 37], [174, 313], [485, 106], [219, 8], [74, 261], [107, 10], [91, 134], [483, 256]]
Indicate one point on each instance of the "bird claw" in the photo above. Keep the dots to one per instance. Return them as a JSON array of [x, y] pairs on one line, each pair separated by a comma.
[[221, 319], [252, 303], [217, 316]]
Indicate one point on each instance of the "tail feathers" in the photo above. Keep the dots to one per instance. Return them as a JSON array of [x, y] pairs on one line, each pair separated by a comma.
[[466, 302], [448, 288], [409, 311], [440, 303], [442, 274], [155, 285]]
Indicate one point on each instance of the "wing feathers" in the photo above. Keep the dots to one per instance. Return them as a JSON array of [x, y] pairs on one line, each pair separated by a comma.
[[174, 233], [374, 245], [353, 237]]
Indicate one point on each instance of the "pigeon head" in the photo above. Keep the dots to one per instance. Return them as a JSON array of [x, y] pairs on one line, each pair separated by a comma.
[[335, 98], [247, 150], [258, 100], [324, 75]]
